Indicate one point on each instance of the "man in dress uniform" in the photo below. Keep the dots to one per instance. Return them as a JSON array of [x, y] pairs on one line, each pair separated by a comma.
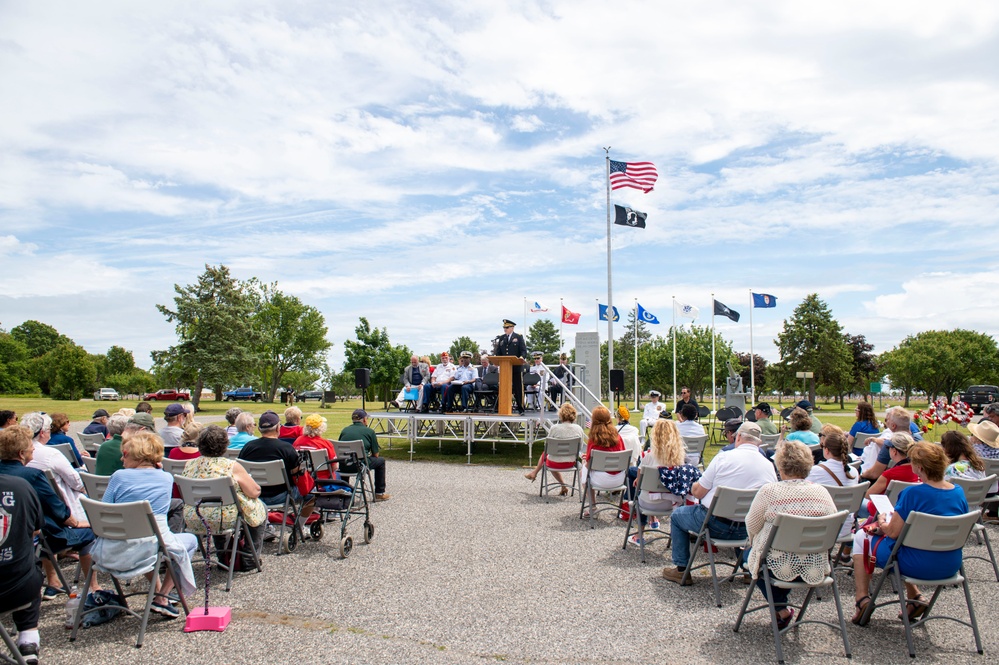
[[651, 413], [512, 344]]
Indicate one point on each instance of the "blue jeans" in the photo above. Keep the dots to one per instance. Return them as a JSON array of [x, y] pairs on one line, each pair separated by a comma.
[[690, 518]]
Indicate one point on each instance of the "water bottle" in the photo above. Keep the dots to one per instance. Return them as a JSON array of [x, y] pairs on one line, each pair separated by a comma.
[[71, 606]]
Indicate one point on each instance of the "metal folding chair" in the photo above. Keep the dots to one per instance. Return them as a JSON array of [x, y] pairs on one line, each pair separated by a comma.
[[695, 449], [648, 481], [795, 534], [849, 498], [728, 504], [219, 493], [933, 533], [90, 464], [271, 474], [974, 493], [15, 658], [95, 485], [560, 451], [607, 461], [127, 521]]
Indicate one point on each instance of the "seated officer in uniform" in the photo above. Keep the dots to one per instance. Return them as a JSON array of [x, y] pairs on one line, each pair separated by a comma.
[[535, 392], [462, 384]]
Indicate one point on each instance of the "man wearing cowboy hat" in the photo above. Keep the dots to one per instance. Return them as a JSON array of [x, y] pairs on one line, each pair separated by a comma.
[[651, 413], [512, 344]]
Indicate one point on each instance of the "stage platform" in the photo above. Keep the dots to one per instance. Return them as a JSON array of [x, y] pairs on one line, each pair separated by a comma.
[[468, 428]]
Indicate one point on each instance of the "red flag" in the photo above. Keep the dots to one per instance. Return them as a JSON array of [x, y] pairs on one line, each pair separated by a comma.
[[569, 317]]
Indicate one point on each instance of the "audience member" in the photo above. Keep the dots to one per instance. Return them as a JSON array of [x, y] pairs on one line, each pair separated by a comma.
[[67, 478], [866, 423], [807, 406], [175, 416], [292, 428], [800, 428], [603, 436], [312, 438], [964, 461], [144, 407], [269, 447], [901, 470], [230, 417], [20, 570], [628, 433], [762, 411], [897, 419], [245, 428], [188, 448], [109, 454], [566, 428], [59, 429], [741, 468], [358, 430], [990, 412], [7, 419], [835, 470], [688, 425], [98, 424]]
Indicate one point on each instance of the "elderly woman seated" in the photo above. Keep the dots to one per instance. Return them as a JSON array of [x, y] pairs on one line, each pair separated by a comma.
[[792, 495], [142, 479], [312, 439], [933, 495], [566, 428], [245, 427], [292, 428]]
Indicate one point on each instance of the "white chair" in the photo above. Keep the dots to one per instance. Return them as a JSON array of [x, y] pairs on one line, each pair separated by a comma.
[[849, 498], [346, 448], [560, 451], [174, 467], [769, 441], [730, 505], [606, 461], [67, 452], [219, 493], [90, 464], [860, 441], [91, 442], [895, 488], [95, 485], [126, 521], [648, 481], [933, 533], [795, 534], [274, 474], [974, 493], [232, 453], [695, 449]]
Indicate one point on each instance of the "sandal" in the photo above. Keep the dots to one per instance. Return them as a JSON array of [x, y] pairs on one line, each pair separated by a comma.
[[564, 491], [786, 621], [915, 608], [530, 477], [858, 618]]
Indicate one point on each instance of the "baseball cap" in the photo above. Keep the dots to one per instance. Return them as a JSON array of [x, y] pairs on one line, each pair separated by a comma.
[[805, 404], [751, 430], [268, 420], [358, 415], [174, 410], [100, 413], [143, 419], [765, 408], [732, 425]]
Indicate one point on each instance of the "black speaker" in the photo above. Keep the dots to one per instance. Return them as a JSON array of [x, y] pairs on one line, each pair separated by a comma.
[[362, 378], [617, 379]]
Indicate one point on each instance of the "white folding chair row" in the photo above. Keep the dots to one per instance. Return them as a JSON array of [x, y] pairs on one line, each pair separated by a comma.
[[695, 449], [90, 464], [648, 482], [95, 485], [974, 493], [91, 442], [560, 451], [604, 461]]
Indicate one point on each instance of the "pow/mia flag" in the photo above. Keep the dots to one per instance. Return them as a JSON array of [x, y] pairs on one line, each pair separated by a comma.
[[628, 217]]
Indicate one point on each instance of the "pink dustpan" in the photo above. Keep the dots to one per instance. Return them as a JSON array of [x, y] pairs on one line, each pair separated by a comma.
[[208, 618]]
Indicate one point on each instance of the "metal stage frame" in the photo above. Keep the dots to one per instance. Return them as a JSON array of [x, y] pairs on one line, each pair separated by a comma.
[[469, 428]]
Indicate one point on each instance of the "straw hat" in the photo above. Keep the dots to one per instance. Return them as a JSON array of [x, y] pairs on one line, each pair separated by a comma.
[[987, 432]]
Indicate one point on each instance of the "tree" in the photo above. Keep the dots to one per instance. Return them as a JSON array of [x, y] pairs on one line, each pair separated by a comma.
[[812, 341], [119, 361], [15, 368], [39, 338], [72, 372], [463, 343], [292, 336], [942, 362], [693, 361], [374, 351], [543, 337], [864, 366], [759, 373], [216, 337]]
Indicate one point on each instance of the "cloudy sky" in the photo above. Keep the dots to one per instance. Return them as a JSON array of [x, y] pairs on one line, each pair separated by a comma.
[[431, 164]]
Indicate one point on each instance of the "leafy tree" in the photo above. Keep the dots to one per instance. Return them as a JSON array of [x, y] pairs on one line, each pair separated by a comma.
[[292, 336], [759, 372], [693, 361], [167, 370], [941, 362], [864, 367], [119, 361], [73, 374], [15, 367], [374, 351], [217, 341], [543, 337], [39, 338], [812, 341], [463, 343]]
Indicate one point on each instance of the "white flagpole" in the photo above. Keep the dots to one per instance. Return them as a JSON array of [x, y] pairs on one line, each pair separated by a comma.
[[674, 348], [636, 354], [596, 304], [610, 295], [525, 319], [752, 358], [561, 322], [714, 393]]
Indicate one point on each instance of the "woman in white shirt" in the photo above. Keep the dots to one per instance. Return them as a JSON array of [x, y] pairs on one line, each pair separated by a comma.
[[836, 469]]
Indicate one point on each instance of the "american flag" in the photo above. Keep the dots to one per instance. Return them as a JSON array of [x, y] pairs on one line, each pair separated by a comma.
[[637, 175]]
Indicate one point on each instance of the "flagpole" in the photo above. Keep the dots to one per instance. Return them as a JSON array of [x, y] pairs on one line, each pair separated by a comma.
[[610, 296], [674, 348], [561, 323], [636, 354], [525, 319], [714, 392], [752, 359]]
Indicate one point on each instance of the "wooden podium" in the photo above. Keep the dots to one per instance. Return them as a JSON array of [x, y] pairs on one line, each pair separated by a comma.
[[507, 366]]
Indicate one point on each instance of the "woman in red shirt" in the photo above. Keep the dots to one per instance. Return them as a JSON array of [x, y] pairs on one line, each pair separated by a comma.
[[312, 437], [603, 436]]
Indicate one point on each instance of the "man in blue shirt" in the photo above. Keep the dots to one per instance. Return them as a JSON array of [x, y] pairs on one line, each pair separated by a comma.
[[463, 383]]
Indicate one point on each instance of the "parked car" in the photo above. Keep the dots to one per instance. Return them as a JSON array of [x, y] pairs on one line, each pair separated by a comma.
[[167, 395], [106, 394], [309, 394], [978, 397], [246, 393]]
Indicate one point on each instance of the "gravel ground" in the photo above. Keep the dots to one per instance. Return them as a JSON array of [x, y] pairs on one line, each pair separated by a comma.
[[468, 564]]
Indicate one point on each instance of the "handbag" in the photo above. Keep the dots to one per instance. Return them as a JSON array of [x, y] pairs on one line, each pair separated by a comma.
[[304, 483], [871, 554]]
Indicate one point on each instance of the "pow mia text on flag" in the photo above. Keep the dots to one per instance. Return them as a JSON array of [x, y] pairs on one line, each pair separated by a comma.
[[628, 217]]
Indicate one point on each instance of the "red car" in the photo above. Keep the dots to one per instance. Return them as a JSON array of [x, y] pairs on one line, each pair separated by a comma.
[[167, 394]]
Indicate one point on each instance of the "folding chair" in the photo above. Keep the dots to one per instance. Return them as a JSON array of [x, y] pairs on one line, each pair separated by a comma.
[[933, 533], [486, 397], [769, 441], [895, 488], [731, 505], [67, 451], [233, 453], [95, 485], [860, 441], [616, 461], [90, 464], [795, 534], [16, 658], [648, 481], [91, 442], [560, 451], [721, 415], [46, 550], [849, 498], [174, 467], [126, 521], [274, 474], [695, 449], [344, 449], [974, 493], [219, 493], [532, 391]]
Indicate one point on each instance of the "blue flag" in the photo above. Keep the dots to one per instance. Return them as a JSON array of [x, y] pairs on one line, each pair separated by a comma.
[[646, 315], [764, 300], [603, 314]]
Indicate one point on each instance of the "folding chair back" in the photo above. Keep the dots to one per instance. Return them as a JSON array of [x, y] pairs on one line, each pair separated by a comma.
[[174, 467], [769, 441], [67, 451], [318, 458], [936, 533], [95, 485], [560, 451], [974, 490], [732, 504], [343, 448], [91, 442], [268, 474], [610, 461], [805, 535], [849, 497], [895, 488], [991, 466], [90, 464], [232, 453], [274, 474], [648, 481], [695, 448], [861, 439]]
